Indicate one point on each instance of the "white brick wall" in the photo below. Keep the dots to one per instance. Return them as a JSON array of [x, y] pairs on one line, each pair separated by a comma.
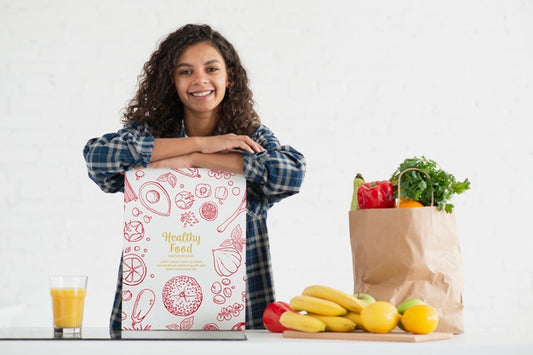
[[357, 86]]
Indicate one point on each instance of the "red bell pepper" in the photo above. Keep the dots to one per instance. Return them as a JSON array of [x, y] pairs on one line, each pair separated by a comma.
[[376, 194], [271, 316]]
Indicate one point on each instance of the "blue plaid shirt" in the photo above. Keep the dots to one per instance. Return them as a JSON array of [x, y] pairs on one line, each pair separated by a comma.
[[271, 176]]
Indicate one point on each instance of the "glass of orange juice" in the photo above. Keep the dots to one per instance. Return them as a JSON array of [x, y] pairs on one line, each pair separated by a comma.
[[68, 298]]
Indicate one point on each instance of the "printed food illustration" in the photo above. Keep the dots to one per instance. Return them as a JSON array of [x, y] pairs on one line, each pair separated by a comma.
[[241, 208], [183, 263], [184, 200], [209, 211], [182, 295], [143, 304], [133, 231], [133, 270], [155, 198]]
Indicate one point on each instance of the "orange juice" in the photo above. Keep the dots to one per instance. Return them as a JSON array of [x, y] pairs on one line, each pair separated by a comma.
[[68, 306]]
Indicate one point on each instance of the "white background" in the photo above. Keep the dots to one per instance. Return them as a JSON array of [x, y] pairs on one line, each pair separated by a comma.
[[357, 86]]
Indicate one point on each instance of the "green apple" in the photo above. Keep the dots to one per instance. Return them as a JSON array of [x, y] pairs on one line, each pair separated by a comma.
[[402, 307], [365, 298]]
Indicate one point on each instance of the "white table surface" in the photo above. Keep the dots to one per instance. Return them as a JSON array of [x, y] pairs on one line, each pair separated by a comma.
[[509, 342]]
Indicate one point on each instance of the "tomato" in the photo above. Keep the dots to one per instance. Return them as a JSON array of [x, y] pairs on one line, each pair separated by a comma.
[[271, 316]]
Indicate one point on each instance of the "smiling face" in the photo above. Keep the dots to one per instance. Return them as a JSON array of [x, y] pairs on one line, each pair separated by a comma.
[[201, 80]]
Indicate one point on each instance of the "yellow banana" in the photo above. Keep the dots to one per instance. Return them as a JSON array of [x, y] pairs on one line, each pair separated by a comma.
[[356, 318], [301, 322], [316, 305], [344, 299], [335, 323]]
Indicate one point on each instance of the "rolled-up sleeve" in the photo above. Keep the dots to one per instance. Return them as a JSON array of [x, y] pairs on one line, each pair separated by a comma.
[[109, 156], [277, 172]]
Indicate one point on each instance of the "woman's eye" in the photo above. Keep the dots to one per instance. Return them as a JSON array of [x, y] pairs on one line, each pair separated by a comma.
[[184, 72], [212, 69]]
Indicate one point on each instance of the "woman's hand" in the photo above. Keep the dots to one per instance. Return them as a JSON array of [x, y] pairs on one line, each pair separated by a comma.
[[228, 142]]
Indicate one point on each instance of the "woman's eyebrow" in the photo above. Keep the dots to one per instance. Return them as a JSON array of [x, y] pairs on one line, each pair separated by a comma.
[[212, 61], [209, 62]]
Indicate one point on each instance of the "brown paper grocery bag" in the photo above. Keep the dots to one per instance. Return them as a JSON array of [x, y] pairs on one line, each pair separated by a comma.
[[401, 253]]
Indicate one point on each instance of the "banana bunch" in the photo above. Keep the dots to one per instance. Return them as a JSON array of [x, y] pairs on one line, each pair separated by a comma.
[[321, 308]]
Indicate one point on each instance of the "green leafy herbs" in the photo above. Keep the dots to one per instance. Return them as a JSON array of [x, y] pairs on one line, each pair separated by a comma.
[[416, 186]]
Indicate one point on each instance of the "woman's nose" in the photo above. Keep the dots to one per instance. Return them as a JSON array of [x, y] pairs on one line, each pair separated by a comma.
[[199, 79]]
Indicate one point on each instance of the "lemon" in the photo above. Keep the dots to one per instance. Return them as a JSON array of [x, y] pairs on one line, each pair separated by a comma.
[[380, 317], [420, 319]]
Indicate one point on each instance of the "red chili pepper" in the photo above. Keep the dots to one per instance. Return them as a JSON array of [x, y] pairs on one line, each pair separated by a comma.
[[271, 316], [376, 194]]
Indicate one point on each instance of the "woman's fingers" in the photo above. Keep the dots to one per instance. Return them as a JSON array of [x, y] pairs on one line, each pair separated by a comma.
[[226, 142], [256, 147], [250, 145]]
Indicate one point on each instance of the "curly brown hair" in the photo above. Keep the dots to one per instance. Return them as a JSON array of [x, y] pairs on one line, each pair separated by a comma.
[[157, 104]]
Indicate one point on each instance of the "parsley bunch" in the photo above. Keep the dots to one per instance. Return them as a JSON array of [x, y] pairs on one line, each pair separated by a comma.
[[416, 186]]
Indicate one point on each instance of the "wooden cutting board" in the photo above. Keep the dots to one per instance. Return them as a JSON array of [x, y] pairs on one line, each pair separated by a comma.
[[365, 336]]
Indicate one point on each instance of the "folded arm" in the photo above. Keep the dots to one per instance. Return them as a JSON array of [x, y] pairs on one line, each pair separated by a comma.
[[276, 173], [109, 156]]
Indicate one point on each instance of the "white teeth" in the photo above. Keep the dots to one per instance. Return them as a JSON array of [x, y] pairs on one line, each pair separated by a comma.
[[201, 93]]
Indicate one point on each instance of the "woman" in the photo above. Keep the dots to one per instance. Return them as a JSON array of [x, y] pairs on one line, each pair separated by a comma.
[[193, 108]]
